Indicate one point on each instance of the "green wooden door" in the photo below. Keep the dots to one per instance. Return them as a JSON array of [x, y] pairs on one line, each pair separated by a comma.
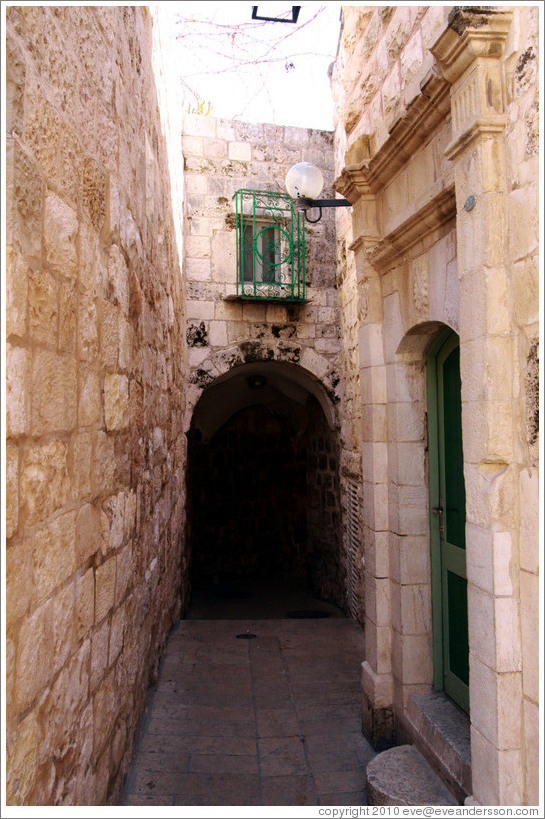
[[447, 520]]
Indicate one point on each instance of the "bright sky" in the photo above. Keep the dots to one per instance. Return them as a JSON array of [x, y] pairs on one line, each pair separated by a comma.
[[257, 71]]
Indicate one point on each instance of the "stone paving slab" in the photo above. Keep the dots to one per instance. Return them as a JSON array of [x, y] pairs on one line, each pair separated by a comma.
[[272, 720]]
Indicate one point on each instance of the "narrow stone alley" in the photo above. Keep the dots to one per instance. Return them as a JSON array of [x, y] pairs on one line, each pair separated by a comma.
[[256, 710]]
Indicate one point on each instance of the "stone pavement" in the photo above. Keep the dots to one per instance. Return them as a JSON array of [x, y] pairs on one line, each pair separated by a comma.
[[273, 719]]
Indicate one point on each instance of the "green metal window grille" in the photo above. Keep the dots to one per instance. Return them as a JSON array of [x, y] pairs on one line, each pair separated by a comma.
[[270, 235]]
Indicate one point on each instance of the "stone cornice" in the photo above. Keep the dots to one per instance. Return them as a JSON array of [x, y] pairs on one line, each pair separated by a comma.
[[470, 35], [396, 244], [479, 128], [407, 134]]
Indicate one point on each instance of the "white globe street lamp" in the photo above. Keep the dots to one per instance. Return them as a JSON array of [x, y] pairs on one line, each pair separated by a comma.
[[304, 183]]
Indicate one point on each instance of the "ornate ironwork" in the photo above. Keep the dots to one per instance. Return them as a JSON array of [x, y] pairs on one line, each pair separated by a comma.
[[270, 235]]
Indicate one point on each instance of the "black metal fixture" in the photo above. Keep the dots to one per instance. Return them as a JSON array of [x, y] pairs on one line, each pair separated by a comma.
[[256, 381], [304, 182], [294, 15]]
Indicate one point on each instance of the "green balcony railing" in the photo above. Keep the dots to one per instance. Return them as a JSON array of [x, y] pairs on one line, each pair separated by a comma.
[[270, 235]]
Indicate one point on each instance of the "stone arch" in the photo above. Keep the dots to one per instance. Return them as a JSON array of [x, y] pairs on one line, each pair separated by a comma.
[[263, 480], [302, 366]]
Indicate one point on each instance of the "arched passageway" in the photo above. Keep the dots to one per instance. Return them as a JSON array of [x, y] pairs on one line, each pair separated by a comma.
[[263, 510]]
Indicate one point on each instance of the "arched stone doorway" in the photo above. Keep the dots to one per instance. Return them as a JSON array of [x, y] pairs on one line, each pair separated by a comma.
[[263, 488]]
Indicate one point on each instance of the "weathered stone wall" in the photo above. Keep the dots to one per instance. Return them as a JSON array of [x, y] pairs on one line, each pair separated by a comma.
[[95, 365], [437, 151], [220, 158]]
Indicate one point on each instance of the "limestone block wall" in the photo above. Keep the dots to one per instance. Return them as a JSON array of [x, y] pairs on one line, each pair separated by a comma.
[[221, 157], [95, 450], [436, 148]]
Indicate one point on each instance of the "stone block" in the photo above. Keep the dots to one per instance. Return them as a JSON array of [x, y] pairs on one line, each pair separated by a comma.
[[490, 494], [126, 344], [206, 226], [199, 125], [523, 222], [378, 647], [531, 722], [124, 572], [89, 403], [529, 613], [12, 489], [87, 336], [416, 658], [218, 334], [54, 554], [198, 270], [60, 233], [16, 293], [118, 279], [116, 634], [481, 625], [525, 288], [197, 247], [129, 522], [85, 603], [59, 711], [80, 471], [415, 609], [45, 642], [375, 422], [112, 523], [376, 552], [504, 564], [224, 258], [103, 464], [200, 310], [99, 653], [67, 318], [24, 195], [371, 347], [104, 589], [192, 145], [93, 188], [375, 461], [87, 533], [197, 355], [240, 151], [507, 631], [410, 464], [54, 393], [45, 483], [104, 712], [19, 580], [414, 560], [373, 385], [116, 401], [413, 510], [480, 557], [529, 520], [379, 500], [17, 392], [22, 755]]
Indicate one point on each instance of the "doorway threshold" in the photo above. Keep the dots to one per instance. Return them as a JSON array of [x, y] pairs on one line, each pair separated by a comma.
[[442, 735]]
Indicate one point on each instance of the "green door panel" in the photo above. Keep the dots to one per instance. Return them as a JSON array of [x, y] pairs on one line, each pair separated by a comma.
[[447, 522]]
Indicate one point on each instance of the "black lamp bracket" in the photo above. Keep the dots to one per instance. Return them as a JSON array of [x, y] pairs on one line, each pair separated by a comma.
[[304, 203]]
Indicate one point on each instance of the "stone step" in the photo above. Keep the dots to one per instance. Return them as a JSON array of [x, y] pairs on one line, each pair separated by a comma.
[[401, 776], [441, 732]]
